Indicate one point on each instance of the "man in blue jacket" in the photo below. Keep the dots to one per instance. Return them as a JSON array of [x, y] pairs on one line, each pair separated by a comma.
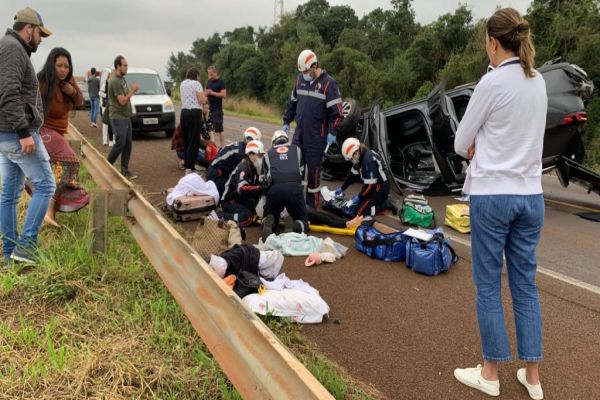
[[22, 152], [316, 105]]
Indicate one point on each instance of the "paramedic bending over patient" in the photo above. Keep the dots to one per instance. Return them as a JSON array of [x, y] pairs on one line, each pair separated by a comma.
[[502, 133]]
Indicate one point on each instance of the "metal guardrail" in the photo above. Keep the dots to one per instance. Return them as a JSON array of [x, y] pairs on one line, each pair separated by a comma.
[[252, 357]]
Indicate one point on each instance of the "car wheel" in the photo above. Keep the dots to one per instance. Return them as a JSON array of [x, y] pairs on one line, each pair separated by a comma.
[[335, 167], [351, 114], [169, 132]]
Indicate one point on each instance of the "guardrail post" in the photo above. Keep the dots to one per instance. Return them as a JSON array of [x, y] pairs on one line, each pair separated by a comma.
[[99, 220], [103, 203]]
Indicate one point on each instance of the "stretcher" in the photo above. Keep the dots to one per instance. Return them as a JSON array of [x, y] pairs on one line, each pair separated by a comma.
[[331, 229]]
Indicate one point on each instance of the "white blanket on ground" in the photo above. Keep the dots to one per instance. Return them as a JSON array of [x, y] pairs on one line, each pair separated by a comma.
[[296, 300], [300, 244], [193, 185]]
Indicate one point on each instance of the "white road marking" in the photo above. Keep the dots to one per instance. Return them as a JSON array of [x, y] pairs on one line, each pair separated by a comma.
[[562, 203], [553, 274]]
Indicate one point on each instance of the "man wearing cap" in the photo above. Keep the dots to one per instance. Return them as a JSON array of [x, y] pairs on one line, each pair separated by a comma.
[[22, 153], [316, 105]]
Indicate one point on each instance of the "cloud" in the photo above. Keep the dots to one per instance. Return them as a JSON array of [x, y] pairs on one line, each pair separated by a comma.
[[146, 32]]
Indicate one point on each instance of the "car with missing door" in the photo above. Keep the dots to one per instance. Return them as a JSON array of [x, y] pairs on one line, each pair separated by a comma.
[[417, 138]]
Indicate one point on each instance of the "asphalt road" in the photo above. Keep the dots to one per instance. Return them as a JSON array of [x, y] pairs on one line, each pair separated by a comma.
[[402, 333]]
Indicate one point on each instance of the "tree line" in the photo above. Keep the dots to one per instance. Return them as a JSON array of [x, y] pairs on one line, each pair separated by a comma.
[[387, 55]]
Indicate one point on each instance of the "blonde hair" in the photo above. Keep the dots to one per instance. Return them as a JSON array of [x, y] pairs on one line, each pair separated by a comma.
[[513, 32]]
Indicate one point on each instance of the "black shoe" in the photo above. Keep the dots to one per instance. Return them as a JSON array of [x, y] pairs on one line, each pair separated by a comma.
[[300, 226], [23, 255], [129, 175], [390, 205], [267, 226]]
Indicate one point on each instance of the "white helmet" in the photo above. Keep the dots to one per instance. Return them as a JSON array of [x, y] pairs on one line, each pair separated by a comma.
[[252, 133], [350, 146], [280, 137], [306, 59], [255, 146]]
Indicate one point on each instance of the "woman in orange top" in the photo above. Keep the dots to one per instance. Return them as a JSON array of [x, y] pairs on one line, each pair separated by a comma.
[[60, 94]]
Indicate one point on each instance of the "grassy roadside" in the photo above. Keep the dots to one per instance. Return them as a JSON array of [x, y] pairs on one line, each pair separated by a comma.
[[80, 326], [243, 108]]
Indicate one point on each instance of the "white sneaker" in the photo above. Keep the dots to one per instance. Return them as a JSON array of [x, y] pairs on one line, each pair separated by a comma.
[[213, 216], [535, 391], [472, 378]]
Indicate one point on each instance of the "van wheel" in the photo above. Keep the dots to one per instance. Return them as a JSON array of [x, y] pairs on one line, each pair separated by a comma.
[[169, 132], [351, 114]]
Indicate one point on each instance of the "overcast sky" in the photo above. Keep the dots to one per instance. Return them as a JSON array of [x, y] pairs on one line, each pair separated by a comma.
[[147, 31]]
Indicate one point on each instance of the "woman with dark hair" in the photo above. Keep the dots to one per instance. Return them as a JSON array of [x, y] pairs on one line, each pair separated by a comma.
[[502, 133], [193, 101], [60, 94]]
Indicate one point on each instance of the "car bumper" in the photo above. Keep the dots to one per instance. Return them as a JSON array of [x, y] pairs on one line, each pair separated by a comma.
[[153, 122]]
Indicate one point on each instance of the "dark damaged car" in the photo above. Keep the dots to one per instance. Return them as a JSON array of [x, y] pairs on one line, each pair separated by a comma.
[[417, 138]]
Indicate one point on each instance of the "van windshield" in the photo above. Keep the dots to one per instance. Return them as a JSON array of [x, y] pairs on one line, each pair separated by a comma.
[[149, 83]]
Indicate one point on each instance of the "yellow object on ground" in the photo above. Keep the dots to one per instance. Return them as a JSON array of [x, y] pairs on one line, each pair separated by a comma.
[[457, 217], [331, 229]]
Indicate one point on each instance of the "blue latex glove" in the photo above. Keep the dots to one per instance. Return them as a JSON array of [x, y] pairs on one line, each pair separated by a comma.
[[286, 128], [339, 192], [330, 138]]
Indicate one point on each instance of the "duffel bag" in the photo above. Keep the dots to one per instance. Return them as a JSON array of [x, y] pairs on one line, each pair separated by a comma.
[[457, 217], [430, 257], [380, 241], [416, 211]]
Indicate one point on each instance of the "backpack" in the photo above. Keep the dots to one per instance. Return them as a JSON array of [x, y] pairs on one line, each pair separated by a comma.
[[457, 217], [417, 211], [430, 257], [380, 241]]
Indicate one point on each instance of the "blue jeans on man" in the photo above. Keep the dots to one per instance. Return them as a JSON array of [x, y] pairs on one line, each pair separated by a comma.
[[14, 168], [509, 225], [94, 107]]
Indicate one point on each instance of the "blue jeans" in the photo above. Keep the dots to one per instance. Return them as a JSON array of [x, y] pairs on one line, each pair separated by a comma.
[[14, 168], [94, 104], [508, 224]]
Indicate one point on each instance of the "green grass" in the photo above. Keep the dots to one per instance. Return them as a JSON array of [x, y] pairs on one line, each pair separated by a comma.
[[105, 326]]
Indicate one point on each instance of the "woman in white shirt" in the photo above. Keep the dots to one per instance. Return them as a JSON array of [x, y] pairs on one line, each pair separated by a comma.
[[193, 100], [502, 133]]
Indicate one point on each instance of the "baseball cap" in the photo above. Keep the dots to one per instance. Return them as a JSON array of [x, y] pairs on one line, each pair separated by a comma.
[[29, 16]]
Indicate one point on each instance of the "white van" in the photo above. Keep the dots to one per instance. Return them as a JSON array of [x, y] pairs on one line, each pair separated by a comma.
[[152, 108]]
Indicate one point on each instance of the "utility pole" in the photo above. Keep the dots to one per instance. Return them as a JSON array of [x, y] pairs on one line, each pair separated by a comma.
[[277, 11]]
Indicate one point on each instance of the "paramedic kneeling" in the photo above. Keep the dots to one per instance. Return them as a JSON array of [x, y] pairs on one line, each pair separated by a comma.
[[243, 188], [228, 158], [283, 169], [367, 166]]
